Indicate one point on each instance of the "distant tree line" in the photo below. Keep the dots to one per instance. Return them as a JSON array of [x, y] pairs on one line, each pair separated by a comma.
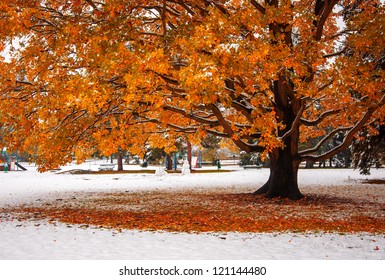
[[366, 152]]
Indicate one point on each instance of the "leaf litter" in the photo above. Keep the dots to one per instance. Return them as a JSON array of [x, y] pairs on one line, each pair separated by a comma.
[[342, 209]]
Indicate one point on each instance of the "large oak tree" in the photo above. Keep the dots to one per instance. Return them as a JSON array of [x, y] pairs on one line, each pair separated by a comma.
[[87, 75]]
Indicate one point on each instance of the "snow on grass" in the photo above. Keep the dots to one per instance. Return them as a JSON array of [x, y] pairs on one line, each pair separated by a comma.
[[40, 240], [45, 241]]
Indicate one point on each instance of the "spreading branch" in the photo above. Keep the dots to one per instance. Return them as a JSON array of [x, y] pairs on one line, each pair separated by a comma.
[[320, 118], [348, 137], [258, 6]]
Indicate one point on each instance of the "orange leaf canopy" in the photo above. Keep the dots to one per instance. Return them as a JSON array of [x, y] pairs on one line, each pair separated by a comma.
[[80, 76]]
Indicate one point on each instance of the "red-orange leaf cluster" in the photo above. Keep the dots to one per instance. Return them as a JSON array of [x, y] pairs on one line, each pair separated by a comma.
[[208, 211], [80, 77]]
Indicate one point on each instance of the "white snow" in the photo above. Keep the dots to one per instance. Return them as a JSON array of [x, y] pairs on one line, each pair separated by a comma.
[[45, 241], [40, 240]]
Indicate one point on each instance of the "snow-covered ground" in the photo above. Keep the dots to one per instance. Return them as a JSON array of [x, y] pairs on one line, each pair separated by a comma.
[[38, 240], [45, 241]]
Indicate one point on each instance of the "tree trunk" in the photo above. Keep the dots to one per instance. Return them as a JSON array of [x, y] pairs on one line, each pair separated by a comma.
[[284, 162], [169, 162], [309, 164], [189, 153], [120, 161], [283, 179]]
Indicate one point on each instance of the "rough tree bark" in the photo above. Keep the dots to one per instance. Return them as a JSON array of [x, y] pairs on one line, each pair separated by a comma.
[[189, 153], [169, 162], [120, 161], [283, 178]]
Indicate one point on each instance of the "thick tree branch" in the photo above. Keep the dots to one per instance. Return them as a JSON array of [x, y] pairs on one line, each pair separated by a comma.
[[320, 118], [348, 137], [178, 128], [246, 111], [68, 119], [190, 116], [325, 86], [324, 140], [258, 6], [221, 7], [228, 130], [217, 133], [335, 54], [167, 78], [92, 4], [323, 10], [238, 102], [187, 8], [341, 33], [163, 17], [294, 124], [152, 34], [178, 92]]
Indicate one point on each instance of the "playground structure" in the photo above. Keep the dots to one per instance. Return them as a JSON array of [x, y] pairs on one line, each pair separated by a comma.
[[10, 162]]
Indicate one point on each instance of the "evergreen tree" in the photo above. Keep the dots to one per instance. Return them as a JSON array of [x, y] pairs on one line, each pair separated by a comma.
[[369, 151]]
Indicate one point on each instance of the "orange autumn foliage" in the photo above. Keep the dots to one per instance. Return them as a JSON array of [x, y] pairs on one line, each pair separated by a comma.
[[211, 211], [81, 76]]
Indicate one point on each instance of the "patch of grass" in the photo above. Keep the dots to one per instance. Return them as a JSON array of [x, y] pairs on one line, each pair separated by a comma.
[[210, 170], [375, 181], [141, 171]]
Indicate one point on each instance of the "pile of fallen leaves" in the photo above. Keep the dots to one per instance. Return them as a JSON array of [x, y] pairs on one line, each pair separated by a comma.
[[337, 209]]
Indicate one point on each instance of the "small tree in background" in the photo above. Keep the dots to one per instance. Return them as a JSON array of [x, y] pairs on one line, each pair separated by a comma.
[[249, 159]]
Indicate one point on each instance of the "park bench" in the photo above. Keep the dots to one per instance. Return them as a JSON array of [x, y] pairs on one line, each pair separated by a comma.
[[106, 167], [252, 166]]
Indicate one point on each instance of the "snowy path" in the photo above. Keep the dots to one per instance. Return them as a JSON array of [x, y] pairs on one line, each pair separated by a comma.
[[28, 240]]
